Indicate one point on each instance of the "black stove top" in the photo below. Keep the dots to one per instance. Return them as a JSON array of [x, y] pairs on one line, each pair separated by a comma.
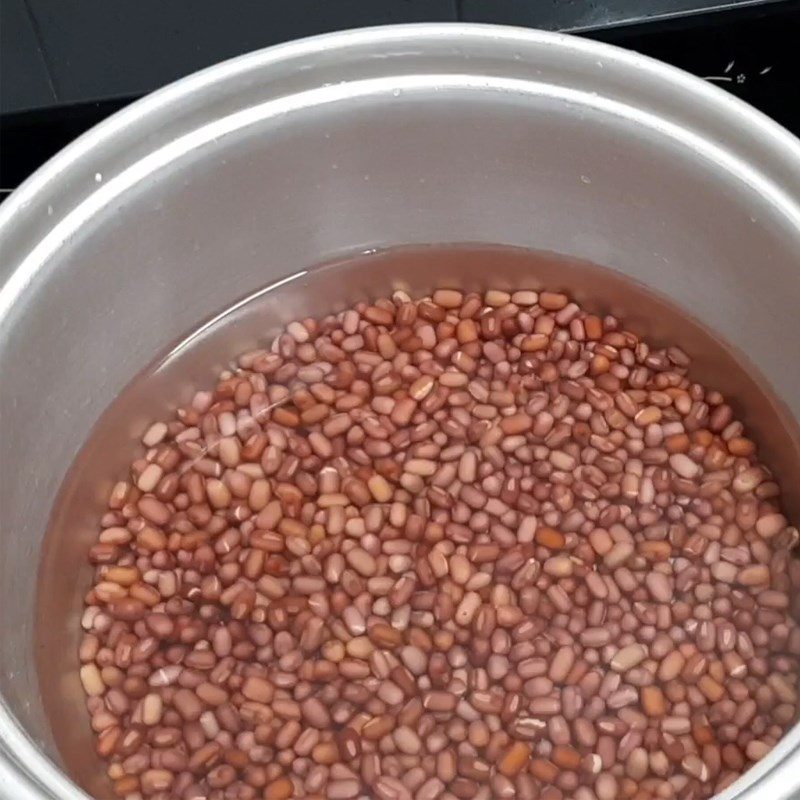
[[67, 64]]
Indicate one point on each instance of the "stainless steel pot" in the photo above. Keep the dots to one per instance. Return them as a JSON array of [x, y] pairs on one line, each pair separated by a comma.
[[226, 181]]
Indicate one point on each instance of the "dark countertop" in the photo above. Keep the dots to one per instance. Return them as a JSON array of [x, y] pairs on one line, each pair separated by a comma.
[[65, 52]]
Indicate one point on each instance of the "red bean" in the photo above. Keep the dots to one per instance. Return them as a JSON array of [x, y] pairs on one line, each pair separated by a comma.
[[470, 546]]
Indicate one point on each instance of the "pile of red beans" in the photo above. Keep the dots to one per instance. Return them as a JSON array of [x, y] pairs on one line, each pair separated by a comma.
[[468, 546]]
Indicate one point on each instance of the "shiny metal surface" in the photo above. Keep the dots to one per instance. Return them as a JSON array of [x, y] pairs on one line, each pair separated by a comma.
[[254, 170]]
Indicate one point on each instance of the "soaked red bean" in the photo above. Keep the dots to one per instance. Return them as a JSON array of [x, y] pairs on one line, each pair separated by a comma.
[[461, 547]]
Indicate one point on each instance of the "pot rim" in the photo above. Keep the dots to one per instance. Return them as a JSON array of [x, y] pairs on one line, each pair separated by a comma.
[[68, 181]]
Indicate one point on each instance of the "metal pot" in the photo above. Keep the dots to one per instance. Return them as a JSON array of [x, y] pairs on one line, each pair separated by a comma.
[[235, 177]]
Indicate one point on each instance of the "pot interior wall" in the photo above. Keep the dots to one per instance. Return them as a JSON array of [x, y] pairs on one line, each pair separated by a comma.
[[368, 170]]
